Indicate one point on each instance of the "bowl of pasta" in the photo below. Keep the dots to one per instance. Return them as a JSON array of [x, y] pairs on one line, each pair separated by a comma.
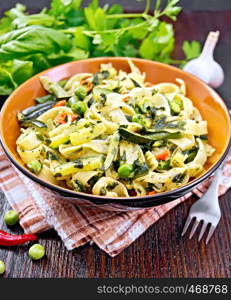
[[118, 132]]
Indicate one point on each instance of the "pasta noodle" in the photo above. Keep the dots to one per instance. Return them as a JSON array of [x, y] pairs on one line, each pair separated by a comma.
[[112, 135]]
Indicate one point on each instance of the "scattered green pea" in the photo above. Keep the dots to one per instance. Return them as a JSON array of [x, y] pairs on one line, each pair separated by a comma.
[[175, 107], [35, 166], [11, 217], [79, 107], [81, 92], [125, 171], [36, 251], [2, 267]]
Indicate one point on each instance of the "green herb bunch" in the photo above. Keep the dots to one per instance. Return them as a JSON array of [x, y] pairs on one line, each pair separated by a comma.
[[67, 31]]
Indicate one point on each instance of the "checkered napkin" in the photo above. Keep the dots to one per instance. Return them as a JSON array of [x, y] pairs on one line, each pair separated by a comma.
[[80, 222]]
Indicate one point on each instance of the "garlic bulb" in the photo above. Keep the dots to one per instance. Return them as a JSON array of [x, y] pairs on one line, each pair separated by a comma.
[[205, 67]]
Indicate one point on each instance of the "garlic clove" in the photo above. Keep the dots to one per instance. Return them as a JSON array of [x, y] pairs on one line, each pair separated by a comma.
[[201, 72], [217, 77], [205, 67]]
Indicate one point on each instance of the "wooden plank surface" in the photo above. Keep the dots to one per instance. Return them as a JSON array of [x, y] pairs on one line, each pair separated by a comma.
[[160, 251], [196, 5]]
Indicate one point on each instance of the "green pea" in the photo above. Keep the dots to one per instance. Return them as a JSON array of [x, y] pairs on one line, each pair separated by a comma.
[[2, 267], [35, 166], [81, 92], [125, 171], [79, 107], [36, 251], [11, 217], [176, 105]]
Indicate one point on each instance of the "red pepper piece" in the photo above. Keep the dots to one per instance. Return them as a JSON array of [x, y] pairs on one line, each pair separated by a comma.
[[60, 103], [7, 239], [61, 118], [74, 117], [164, 155], [151, 193]]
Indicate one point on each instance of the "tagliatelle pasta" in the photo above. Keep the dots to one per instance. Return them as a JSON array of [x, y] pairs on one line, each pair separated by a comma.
[[114, 135]]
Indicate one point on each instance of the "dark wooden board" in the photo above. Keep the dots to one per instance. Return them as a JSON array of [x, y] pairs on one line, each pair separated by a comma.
[[160, 251], [196, 5]]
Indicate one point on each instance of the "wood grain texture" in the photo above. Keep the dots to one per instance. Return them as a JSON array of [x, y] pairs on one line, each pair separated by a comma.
[[197, 5], [160, 252]]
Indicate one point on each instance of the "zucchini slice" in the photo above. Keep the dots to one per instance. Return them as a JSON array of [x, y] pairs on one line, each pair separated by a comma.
[[147, 139], [34, 123], [28, 111]]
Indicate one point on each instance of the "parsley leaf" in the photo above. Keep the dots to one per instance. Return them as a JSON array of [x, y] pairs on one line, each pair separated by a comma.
[[191, 50], [67, 31]]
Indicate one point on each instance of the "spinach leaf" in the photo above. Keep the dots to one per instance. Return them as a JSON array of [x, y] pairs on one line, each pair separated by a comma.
[[67, 31], [21, 70], [74, 54], [7, 84], [139, 168], [32, 40], [39, 61], [179, 178]]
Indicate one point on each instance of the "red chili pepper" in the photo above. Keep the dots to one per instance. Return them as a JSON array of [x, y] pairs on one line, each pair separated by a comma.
[[7, 239]]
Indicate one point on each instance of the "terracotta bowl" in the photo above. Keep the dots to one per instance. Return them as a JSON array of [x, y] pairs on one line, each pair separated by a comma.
[[209, 103]]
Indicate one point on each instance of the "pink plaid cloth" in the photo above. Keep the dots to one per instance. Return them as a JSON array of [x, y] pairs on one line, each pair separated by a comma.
[[82, 222]]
